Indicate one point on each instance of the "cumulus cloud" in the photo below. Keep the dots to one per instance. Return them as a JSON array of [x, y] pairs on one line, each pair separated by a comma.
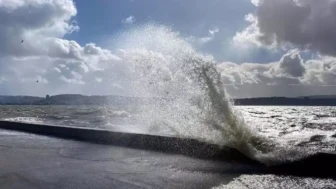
[[251, 35], [321, 72], [129, 20], [37, 23], [290, 76], [283, 72], [33, 48], [287, 24], [305, 24]]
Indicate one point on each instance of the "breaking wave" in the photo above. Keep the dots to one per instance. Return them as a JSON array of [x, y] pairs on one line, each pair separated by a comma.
[[184, 90]]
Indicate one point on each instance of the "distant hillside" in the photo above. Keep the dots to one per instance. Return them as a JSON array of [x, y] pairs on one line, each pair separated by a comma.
[[18, 100], [67, 99], [320, 97], [77, 99], [283, 101]]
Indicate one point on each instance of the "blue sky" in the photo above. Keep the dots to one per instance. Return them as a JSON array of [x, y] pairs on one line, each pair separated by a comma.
[[260, 47], [102, 19]]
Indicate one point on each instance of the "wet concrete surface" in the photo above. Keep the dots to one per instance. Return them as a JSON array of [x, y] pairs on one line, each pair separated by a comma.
[[33, 161]]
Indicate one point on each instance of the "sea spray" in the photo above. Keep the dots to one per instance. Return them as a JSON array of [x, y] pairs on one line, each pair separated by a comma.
[[183, 88]]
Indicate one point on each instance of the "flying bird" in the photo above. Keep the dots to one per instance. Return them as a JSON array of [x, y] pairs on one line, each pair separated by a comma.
[[22, 41], [37, 81]]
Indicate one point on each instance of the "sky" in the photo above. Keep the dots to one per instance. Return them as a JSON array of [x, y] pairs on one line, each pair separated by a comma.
[[260, 47]]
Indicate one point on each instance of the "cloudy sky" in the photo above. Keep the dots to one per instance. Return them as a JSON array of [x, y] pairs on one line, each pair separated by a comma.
[[262, 47]]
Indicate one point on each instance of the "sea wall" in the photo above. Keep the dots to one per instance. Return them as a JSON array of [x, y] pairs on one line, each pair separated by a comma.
[[171, 145], [318, 165]]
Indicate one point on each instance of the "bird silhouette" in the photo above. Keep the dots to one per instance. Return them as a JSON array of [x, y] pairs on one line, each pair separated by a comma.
[[22, 41], [37, 81]]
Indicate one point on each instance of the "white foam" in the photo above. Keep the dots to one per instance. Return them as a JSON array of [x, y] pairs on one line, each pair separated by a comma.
[[277, 182], [25, 119]]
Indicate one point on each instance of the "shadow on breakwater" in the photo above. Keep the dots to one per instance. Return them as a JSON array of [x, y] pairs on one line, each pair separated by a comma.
[[322, 165]]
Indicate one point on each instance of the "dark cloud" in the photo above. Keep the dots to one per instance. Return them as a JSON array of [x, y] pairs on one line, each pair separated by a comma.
[[306, 24], [292, 64]]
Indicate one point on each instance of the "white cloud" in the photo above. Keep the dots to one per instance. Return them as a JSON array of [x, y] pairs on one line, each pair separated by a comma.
[[251, 35], [210, 37], [291, 76], [76, 78], [213, 31], [289, 69], [33, 48], [38, 23], [321, 72], [129, 20], [255, 2]]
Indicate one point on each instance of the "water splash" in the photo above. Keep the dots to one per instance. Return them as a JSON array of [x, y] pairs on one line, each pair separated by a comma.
[[183, 89]]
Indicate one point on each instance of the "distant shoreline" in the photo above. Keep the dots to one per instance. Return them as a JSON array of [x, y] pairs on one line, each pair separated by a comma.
[[283, 101], [75, 99]]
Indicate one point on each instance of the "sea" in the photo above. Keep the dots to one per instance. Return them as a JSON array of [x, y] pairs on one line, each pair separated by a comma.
[[311, 127], [308, 129]]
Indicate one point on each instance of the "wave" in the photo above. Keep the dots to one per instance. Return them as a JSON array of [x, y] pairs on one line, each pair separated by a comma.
[[186, 94], [24, 119], [189, 98]]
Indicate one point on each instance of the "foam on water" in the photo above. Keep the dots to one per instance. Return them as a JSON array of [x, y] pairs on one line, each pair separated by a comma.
[[25, 120], [277, 182]]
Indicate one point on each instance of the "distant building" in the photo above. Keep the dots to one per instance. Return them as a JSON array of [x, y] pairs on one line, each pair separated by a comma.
[[47, 97]]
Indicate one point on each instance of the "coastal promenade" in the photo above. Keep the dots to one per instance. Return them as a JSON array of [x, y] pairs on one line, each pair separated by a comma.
[[40, 156], [33, 161]]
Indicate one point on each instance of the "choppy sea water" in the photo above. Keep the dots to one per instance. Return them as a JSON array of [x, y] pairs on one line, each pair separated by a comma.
[[278, 182], [304, 127]]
